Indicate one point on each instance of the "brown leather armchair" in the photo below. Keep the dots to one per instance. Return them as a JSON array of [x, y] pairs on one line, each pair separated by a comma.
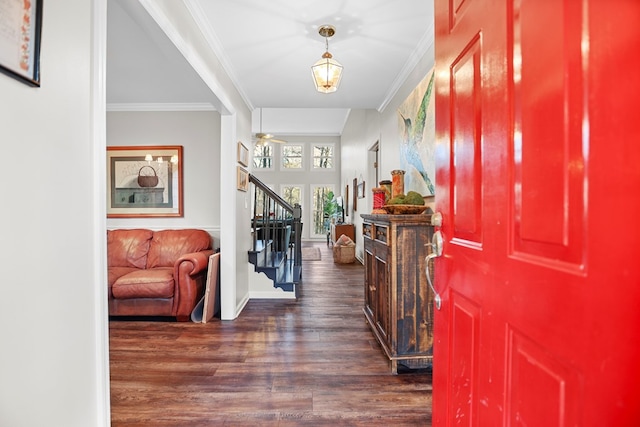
[[156, 273]]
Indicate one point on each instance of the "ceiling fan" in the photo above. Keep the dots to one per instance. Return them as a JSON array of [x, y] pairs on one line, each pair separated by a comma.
[[262, 138]]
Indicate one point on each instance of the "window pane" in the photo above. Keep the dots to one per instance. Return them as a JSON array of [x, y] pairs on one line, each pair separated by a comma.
[[262, 204], [263, 157], [292, 150], [292, 163], [321, 195], [320, 163], [292, 194], [262, 162], [323, 157], [292, 156], [319, 151], [263, 151]]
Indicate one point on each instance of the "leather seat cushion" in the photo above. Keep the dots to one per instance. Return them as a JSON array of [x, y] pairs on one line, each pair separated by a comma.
[[151, 283], [114, 273]]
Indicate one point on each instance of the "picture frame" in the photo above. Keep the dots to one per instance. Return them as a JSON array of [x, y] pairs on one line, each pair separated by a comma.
[[355, 194], [346, 200], [361, 190], [20, 42], [144, 181], [243, 154], [242, 179]]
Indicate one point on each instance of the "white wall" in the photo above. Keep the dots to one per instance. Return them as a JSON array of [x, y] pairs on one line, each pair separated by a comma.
[[199, 134], [365, 128], [361, 133], [54, 361], [177, 21]]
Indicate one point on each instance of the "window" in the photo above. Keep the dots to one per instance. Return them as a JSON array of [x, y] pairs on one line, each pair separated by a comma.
[[259, 201], [323, 156], [320, 195], [263, 156], [292, 157], [292, 194]]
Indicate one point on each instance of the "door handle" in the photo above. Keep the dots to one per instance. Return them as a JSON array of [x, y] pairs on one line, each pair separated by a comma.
[[436, 251]]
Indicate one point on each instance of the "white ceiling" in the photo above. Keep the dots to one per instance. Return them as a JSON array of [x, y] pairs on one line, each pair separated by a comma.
[[268, 47]]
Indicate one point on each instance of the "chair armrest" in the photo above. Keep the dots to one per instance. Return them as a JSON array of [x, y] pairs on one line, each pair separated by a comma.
[[192, 263]]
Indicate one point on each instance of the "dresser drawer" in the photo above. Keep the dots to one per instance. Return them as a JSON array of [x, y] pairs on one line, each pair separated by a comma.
[[382, 233], [367, 230]]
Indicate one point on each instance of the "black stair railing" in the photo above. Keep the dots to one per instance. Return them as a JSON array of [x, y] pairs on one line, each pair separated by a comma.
[[276, 221]]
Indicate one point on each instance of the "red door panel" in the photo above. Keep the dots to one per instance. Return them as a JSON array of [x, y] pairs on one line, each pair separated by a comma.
[[537, 154], [466, 156], [463, 374], [546, 80], [542, 391]]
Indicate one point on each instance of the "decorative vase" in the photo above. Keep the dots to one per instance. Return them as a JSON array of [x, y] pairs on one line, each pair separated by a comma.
[[386, 184], [397, 182], [378, 200]]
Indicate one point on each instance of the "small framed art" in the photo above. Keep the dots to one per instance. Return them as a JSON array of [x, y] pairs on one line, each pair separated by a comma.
[[243, 154], [361, 190], [242, 179]]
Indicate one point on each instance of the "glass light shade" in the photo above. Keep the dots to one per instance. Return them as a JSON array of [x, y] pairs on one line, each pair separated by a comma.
[[327, 73]]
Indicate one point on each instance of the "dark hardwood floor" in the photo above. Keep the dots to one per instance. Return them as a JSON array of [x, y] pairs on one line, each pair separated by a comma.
[[311, 361]]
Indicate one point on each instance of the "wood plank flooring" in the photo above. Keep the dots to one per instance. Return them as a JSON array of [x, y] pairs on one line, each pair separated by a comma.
[[308, 362]]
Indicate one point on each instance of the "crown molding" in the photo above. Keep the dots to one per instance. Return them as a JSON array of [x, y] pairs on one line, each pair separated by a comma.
[[214, 42], [203, 106], [425, 43]]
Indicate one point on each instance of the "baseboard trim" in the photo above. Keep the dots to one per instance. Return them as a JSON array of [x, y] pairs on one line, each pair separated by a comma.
[[275, 294]]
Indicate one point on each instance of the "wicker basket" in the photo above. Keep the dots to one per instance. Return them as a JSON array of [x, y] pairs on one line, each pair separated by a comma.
[[344, 254]]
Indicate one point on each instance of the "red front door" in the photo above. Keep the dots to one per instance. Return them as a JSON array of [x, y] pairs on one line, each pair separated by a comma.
[[538, 182]]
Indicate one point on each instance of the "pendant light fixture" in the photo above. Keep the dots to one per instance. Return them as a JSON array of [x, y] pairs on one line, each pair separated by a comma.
[[327, 72]]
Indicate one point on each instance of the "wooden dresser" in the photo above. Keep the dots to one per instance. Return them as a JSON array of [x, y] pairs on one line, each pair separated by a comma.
[[398, 302]]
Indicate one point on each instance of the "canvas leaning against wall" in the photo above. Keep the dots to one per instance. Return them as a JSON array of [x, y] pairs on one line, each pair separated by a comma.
[[417, 133]]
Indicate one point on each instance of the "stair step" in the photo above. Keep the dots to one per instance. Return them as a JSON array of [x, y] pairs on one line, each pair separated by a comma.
[[258, 256], [277, 266], [273, 265]]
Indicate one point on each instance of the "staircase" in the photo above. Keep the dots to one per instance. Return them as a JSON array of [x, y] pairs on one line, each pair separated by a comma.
[[276, 238]]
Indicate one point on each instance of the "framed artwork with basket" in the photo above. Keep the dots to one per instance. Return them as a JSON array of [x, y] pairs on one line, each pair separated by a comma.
[[144, 181]]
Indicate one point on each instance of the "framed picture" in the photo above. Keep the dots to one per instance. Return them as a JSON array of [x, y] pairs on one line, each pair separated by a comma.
[[242, 179], [355, 194], [243, 154], [20, 31], [346, 200], [144, 181], [361, 190]]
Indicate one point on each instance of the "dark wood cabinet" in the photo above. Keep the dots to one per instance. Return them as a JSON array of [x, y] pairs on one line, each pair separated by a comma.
[[398, 302]]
